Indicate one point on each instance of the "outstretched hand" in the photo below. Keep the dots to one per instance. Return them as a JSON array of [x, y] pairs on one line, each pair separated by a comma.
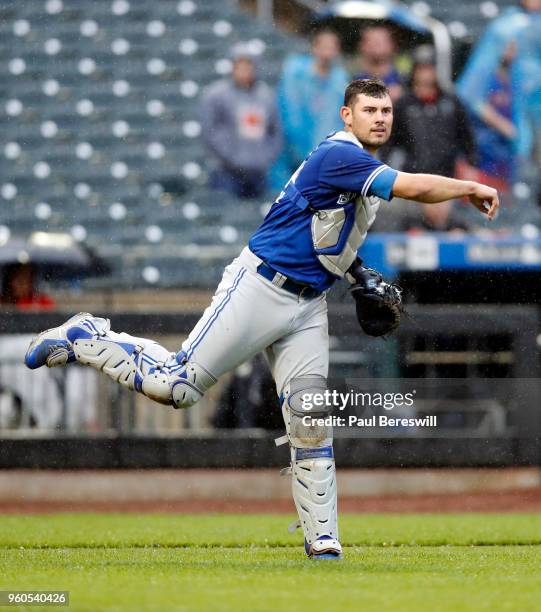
[[486, 200]]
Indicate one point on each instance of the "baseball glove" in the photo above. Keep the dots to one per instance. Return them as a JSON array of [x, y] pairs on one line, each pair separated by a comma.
[[378, 304]]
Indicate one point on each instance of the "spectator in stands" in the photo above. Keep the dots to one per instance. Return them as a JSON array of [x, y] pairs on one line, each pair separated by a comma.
[[431, 128], [493, 125], [19, 289], [310, 92], [484, 84], [492, 121], [377, 56], [526, 96], [241, 128], [431, 131]]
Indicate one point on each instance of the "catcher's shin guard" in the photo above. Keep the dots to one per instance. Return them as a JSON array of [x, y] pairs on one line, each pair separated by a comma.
[[121, 361], [314, 493], [312, 468], [144, 366]]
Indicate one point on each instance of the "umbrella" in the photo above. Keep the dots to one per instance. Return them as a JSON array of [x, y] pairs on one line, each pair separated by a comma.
[[410, 30], [55, 255]]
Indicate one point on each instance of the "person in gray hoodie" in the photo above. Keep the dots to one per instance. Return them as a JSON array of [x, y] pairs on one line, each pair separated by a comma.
[[241, 129]]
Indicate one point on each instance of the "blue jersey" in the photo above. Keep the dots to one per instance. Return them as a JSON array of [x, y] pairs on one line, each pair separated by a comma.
[[334, 174]]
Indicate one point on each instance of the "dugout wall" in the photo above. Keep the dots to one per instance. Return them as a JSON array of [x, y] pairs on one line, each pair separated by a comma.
[[492, 346]]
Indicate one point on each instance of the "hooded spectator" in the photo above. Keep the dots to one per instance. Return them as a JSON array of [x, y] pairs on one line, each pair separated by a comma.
[[241, 129], [310, 94]]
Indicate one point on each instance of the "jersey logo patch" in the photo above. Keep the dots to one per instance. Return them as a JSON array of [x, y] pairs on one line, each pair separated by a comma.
[[346, 197]]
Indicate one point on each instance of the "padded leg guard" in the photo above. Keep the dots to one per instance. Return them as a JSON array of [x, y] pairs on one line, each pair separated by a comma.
[[118, 360], [175, 384], [313, 475], [314, 492]]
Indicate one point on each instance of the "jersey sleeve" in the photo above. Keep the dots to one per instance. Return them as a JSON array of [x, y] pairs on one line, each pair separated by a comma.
[[382, 185], [350, 168]]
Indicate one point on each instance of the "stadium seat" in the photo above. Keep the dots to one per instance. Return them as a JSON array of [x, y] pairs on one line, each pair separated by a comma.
[[102, 135]]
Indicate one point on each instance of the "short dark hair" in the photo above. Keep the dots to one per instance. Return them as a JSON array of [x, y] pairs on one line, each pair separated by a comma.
[[317, 32], [369, 87]]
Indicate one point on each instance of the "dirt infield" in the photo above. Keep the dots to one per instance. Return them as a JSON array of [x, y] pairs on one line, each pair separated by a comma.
[[263, 491], [508, 501]]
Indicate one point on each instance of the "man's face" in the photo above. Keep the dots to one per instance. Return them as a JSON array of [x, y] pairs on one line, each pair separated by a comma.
[[425, 80], [243, 72], [532, 5], [370, 120], [377, 44], [326, 47]]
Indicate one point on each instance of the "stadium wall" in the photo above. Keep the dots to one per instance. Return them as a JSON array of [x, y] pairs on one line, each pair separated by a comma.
[[519, 446], [135, 488]]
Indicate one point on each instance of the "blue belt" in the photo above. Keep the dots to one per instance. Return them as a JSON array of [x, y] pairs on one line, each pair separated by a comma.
[[278, 279]]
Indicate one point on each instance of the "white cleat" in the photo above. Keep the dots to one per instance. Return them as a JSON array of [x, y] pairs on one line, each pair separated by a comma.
[[324, 548], [52, 347]]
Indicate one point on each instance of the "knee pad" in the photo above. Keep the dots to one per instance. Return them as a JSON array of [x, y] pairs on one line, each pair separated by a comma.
[[181, 385], [312, 460], [303, 401]]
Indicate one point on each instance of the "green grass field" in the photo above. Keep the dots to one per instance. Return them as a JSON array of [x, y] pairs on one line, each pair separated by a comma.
[[250, 562]]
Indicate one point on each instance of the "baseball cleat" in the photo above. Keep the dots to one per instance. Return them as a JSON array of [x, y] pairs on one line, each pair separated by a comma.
[[324, 547], [53, 347]]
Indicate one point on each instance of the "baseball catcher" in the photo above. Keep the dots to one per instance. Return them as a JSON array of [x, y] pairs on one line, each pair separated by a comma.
[[272, 299]]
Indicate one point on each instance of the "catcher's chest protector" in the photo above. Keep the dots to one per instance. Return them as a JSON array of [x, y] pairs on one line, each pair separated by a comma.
[[338, 233]]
